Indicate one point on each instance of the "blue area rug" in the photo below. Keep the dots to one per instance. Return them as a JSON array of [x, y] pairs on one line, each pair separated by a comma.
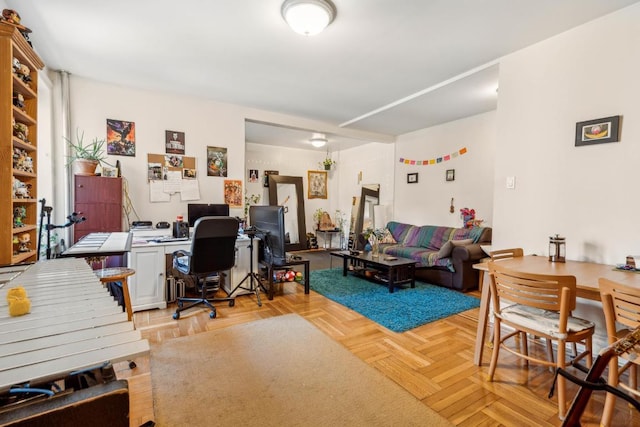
[[400, 311]]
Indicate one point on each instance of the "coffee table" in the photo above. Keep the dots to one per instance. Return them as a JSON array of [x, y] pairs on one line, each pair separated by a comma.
[[395, 270]]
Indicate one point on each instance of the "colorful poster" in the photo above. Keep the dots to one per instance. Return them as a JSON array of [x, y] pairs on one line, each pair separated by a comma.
[[121, 138]]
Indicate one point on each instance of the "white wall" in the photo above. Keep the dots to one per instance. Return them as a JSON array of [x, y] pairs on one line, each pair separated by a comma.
[[428, 201], [373, 163], [205, 123], [374, 160], [586, 194]]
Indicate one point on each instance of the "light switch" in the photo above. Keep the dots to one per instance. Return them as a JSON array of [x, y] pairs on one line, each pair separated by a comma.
[[511, 182]]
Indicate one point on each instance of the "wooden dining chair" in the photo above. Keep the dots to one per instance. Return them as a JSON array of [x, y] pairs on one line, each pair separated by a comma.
[[506, 254], [498, 255], [540, 305], [621, 306]]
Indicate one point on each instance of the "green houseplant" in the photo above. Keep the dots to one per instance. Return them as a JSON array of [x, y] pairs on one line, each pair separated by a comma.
[[86, 157], [327, 163]]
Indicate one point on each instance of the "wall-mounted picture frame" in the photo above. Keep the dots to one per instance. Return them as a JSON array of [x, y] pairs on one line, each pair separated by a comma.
[[450, 175], [317, 184], [253, 175], [121, 138], [412, 178], [598, 131], [265, 182], [173, 142], [217, 161], [233, 193]]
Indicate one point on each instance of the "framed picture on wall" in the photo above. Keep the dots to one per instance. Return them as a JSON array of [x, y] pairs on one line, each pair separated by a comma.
[[317, 184], [412, 178], [217, 161], [598, 131], [450, 175], [174, 142], [265, 182]]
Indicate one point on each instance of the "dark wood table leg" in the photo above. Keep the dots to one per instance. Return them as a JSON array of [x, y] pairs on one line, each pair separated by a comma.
[[270, 273], [412, 271], [306, 277], [392, 272], [345, 261]]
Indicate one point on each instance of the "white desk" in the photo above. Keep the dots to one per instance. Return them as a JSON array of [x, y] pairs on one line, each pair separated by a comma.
[[74, 324], [148, 287]]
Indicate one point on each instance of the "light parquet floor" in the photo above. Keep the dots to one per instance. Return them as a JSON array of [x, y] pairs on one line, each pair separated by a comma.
[[433, 362]]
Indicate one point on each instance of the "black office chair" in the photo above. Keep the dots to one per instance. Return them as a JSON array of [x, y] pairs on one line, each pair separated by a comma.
[[213, 250]]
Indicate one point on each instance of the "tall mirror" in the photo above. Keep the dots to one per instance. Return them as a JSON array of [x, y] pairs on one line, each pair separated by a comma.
[[287, 191], [364, 208]]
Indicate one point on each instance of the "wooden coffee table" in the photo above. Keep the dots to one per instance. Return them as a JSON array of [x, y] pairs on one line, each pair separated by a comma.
[[393, 271]]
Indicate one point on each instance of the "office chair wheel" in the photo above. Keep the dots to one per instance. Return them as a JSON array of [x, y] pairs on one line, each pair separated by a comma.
[[132, 365], [232, 303], [176, 316], [213, 315]]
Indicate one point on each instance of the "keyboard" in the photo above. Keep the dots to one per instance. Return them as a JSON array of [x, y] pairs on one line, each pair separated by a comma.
[[168, 239]]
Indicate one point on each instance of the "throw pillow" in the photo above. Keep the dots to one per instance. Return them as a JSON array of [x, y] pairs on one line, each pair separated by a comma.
[[447, 248], [387, 237], [463, 242]]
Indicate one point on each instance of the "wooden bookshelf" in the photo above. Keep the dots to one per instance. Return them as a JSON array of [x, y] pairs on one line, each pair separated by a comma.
[[14, 46]]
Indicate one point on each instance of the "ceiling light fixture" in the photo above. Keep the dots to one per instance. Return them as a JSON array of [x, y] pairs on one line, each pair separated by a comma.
[[308, 17], [318, 140]]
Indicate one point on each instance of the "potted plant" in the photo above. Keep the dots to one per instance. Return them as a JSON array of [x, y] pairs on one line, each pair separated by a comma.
[[317, 216], [327, 163], [86, 158]]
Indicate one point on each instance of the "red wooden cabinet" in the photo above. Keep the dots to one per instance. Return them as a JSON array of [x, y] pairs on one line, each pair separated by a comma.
[[99, 200]]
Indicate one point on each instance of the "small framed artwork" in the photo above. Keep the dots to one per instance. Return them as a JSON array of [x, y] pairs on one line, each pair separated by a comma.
[[450, 175], [233, 193], [253, 175], [174, 142], [265, 182], [121, 138], [598, 131], [109, 172], [317, 184], [412, 178], [217, 161]]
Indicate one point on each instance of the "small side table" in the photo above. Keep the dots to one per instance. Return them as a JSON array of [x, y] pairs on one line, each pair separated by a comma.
[[271, 268], [330, 234], [118, 274]]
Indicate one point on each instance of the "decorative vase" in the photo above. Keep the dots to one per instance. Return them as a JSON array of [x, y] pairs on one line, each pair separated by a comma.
[[327, 167], [84, 167], [375, 248]]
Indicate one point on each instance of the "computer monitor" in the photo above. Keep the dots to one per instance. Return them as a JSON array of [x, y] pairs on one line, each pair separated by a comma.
[[198, 210], [269, 225]]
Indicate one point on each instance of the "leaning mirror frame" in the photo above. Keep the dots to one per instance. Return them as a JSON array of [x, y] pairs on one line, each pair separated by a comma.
[[295, 214]]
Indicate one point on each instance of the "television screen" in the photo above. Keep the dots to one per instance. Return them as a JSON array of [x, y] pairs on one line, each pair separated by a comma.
[[198, 210], [269, 224]]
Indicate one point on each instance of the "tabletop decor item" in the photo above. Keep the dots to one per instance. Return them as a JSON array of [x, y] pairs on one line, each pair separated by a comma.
[[557, 249]]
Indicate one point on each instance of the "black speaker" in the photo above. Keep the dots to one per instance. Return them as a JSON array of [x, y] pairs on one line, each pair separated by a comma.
[[180, 229]]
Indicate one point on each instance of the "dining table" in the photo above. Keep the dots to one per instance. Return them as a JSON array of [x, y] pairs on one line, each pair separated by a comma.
[[586, 274]]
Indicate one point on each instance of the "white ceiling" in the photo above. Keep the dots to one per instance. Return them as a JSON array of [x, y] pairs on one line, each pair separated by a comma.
[[384, 66]]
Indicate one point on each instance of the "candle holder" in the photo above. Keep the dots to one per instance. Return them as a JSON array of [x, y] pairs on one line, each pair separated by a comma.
[[557, 249]]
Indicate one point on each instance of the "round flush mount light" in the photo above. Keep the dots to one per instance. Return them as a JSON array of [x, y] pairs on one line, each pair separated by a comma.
[[308, 17], [318, 140]]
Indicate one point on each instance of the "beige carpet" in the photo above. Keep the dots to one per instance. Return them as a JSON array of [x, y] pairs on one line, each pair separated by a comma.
[[280, 371]]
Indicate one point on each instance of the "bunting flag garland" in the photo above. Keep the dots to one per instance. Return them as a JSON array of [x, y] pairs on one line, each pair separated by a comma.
[[437, 160]]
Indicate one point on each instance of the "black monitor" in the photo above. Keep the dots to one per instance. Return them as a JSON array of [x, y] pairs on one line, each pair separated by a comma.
[[268, 222], [198, 210]]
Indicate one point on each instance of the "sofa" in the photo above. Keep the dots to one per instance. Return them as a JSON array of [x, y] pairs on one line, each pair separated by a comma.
[[444, 255]]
